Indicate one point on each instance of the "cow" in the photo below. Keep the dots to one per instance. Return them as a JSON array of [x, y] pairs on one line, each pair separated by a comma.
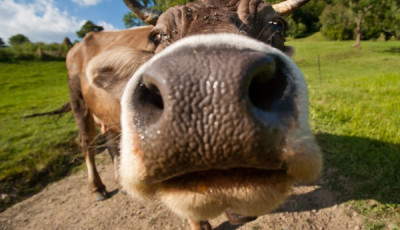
[[213, 112], [102, 47]]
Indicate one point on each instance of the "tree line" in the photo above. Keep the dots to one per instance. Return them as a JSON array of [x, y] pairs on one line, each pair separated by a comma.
[[21, 48], [336, 20]]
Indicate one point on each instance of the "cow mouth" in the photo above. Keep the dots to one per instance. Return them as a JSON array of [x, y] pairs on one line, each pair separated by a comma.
[[212, 180]]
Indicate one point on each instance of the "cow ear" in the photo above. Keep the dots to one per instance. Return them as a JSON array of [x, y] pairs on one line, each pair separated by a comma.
[[289, 51], [112, 69]]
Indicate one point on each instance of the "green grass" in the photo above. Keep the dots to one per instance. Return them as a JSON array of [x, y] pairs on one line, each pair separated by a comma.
[[355, 113], [34, 151]]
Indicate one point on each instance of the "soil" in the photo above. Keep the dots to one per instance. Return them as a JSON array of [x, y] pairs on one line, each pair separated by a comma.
[[66, 204]]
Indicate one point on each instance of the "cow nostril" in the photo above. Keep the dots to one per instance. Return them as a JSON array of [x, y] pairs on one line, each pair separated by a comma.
[[152, 96], [148, 101], [267, 86]]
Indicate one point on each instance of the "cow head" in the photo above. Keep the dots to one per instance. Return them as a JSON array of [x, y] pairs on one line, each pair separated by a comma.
[[218, 117], [255, 19]]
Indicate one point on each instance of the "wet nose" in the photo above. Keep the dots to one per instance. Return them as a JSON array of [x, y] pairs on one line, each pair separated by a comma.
[[251, 76], [206, 106]]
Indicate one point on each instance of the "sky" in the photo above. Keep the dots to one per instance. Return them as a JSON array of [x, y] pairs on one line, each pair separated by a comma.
[[52, 20]]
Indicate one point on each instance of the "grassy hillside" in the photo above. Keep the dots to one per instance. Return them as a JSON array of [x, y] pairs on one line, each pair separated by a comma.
[[35, 151], [355, 113]]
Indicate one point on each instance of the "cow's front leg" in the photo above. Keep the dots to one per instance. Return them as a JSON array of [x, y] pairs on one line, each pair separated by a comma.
[[199, 225], [87, 133]]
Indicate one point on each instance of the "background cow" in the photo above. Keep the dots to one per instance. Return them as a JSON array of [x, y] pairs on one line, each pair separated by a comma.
[[87, 82], [215, 119]]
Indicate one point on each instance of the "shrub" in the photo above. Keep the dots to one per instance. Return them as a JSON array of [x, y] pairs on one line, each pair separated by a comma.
[[337, 22], [34, 51], [296, 30], [18, 39], [5, 54]]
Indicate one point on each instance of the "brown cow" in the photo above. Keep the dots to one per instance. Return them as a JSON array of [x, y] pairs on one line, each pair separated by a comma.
[[113, 49], [216, 117]]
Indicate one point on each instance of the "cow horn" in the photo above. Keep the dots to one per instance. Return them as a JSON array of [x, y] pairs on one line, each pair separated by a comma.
[[288, 6], [148, 15]]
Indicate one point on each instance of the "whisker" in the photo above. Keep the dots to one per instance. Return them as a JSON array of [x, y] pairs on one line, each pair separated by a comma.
[[93, 143], [110, 141]]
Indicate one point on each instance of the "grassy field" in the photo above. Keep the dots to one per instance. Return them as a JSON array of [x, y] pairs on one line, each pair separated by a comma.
[[355, 114], [34, 151]]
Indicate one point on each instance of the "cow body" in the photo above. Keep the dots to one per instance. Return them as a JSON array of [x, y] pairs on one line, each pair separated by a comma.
[[214, 120], [94, 65]]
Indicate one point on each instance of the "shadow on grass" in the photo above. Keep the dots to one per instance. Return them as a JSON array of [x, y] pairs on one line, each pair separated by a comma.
[[69, 158], [355, 168], [26, 184], [366, 168], [393, 50]]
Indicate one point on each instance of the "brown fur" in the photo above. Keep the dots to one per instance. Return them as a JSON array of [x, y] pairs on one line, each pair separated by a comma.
[[94, 98]]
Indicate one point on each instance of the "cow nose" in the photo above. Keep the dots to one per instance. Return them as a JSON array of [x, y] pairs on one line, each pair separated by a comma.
[[212, 108], [258, 79]]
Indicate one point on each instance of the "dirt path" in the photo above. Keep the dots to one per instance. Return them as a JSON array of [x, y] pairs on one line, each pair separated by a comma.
[[66, 205]]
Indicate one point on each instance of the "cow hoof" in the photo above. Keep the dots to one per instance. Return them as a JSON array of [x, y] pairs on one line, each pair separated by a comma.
[[100, 195], [199, 225], [235, 219]]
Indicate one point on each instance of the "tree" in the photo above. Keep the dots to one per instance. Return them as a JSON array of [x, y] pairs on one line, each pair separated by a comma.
[[337, 22], [374, 17], [163, 5], [305, 20], [88, 27], [130, 20], [387, 19], [2, 43], [360, 19], [360, 9], [18, 39]]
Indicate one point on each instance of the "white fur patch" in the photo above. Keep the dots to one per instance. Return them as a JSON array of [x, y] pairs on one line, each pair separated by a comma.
[[113, 68], [248, 200]]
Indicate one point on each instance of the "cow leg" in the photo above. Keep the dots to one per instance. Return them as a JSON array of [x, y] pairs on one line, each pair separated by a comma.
[[112, 144], [199, 225], [89, 148], [87, 134], [88, 143]]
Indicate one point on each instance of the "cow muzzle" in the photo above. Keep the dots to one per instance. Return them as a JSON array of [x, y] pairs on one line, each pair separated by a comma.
[[216, 113]]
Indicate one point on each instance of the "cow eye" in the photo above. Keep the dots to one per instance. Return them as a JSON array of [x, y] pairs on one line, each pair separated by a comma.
[[157, 39], [276, 25]]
